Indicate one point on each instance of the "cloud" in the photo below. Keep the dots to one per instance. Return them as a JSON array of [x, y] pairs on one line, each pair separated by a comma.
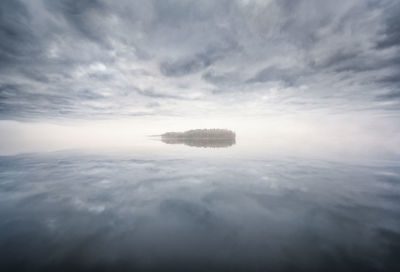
[[391, 33], [197, 63], [83, 17], [18, 42], [95, 59], [287, 76], [152, 93]]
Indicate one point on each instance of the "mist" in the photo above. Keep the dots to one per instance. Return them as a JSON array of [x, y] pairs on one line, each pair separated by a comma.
[[335, 137]]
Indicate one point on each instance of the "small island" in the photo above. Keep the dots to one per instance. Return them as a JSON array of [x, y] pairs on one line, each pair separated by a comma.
[[201, 138]]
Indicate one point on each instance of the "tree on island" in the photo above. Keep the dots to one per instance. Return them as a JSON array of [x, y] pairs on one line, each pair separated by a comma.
[[213, 133], [201, 138]]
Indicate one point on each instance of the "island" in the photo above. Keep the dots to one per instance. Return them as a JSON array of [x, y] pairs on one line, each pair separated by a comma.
[[201, 138]]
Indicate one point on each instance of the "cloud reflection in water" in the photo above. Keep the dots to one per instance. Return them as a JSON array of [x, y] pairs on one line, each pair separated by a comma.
[[119, 213]]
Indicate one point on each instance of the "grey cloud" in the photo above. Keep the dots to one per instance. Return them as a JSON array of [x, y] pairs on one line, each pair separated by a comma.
[[89, 94], [101, 76], [151, 93], [222, 79], [35, 75], [80, 15], [339, 60], [391, 79], [153, 105], [391, 34], [196, 63], [16, 101], [18, 42], [390, 96], [175, 13], [284, 75], [76, 58], [185, 67]]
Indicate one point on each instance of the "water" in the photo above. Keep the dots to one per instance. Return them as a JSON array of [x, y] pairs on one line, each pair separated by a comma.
[[201, 209]]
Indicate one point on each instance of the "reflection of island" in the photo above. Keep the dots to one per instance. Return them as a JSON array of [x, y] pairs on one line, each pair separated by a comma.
[[201, 138]]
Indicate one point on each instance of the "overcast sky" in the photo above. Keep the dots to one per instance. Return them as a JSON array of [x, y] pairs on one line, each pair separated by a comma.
[[107, 59], [97, 60]]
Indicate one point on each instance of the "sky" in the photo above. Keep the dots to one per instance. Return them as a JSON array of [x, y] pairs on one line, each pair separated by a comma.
[[158, 65]]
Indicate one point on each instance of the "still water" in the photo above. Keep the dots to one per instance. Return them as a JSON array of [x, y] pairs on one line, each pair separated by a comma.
[[197, 209]]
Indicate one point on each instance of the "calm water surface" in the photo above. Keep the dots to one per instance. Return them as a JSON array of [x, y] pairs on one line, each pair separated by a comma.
[[195, 210]]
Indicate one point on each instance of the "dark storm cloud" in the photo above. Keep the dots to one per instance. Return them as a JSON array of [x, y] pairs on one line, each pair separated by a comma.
[[81, 58]]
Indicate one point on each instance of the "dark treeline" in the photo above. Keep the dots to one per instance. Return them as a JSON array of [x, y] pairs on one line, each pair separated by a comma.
[[201, 138], [201, 134]]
